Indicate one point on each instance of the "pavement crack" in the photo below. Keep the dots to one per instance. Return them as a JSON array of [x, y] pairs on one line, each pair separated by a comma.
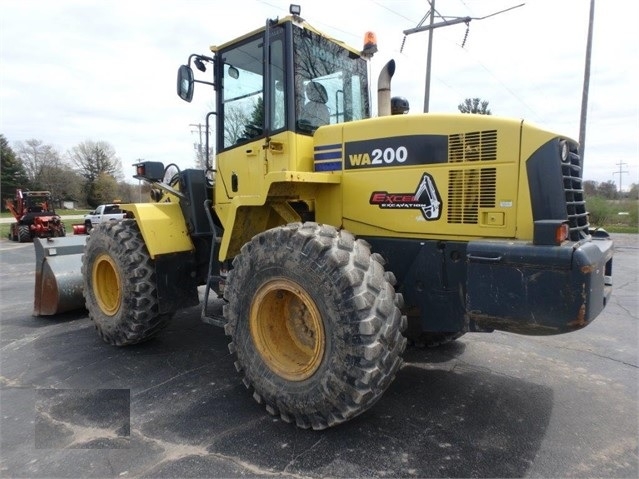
[[14, 383], [77, 370], [626, 310], [175, 451], [81, 435], [18, 343], [305, 451], [172, 378], [602, 356]]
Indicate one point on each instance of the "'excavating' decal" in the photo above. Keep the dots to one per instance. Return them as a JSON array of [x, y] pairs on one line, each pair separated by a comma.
[[426, 198]]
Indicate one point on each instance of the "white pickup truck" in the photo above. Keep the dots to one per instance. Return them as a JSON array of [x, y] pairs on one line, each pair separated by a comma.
[[102, 213]]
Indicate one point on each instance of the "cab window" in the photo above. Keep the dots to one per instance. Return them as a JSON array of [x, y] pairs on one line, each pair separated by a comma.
[[242, 92], [330, 82]]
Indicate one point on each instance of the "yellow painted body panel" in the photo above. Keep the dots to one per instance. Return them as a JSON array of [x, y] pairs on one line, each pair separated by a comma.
[[363, 218], [162, 226], [267, 178]]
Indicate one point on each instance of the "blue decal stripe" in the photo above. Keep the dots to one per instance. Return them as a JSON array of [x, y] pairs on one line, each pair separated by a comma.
[[331, 155], [331, 166]]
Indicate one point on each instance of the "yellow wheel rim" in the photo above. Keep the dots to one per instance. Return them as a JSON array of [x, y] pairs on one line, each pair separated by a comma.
[[106, 284], [287, 329]]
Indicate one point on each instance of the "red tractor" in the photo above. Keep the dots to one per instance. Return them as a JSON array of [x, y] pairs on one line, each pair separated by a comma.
[[34, 216]]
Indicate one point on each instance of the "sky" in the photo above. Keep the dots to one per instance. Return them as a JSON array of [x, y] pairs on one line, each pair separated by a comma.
[[72, 71]]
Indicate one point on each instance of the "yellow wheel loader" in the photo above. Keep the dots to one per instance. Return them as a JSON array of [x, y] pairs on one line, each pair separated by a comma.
[[332, 236]]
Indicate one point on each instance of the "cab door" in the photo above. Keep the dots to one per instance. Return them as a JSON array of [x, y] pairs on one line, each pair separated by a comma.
[[241, 138]]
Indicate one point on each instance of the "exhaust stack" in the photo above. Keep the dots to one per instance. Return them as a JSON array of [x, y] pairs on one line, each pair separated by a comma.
[[384, 89]]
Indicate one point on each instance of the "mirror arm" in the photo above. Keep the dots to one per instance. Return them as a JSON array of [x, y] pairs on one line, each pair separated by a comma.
[[201, 57], [205, 82]]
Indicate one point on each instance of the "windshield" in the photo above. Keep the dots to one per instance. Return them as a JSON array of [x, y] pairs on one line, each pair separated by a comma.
[[330, 82], [329, 85]]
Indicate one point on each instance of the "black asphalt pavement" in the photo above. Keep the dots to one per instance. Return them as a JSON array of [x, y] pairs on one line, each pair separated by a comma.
[[489, 405]]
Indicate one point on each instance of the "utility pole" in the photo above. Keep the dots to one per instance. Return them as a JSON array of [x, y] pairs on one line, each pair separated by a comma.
[[199, 127], [446, 22], [139, 160], [620, 173], [199, 147], [586, 87], [429, 56]]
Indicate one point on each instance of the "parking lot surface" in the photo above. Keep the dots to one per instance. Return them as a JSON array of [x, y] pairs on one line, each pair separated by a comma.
[[488, 405]]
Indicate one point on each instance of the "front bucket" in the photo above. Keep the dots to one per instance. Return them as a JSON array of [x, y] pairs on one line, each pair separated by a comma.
[[58, 281]]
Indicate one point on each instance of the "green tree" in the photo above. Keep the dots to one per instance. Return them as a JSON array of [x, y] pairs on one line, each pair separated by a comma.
[[12, 173], [474, 105], [94, 158], [257, 115], [105, 189], [130, 193]]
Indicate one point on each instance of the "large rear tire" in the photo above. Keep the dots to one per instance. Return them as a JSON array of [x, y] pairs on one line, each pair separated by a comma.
[[120, 285], [315, 323], [24, 234]]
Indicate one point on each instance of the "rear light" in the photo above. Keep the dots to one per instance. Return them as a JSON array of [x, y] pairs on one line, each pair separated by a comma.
[[149, 171], [561, 233], [370, 44], [550, 232]]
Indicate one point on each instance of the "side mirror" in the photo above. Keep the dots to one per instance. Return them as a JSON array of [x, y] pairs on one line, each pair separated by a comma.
[[185, 83]]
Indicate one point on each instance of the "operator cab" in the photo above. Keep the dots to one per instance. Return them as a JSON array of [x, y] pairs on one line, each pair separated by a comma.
[[303, 81]]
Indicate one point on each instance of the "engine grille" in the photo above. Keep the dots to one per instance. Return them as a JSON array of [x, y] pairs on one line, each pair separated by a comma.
[[571, 170], [471, 188], [472, 146]]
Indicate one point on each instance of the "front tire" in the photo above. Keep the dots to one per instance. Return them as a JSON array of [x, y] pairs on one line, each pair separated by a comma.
[[120, 285], [315, 323]]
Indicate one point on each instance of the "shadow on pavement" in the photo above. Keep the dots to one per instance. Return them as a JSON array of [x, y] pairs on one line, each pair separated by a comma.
[[440, 418]]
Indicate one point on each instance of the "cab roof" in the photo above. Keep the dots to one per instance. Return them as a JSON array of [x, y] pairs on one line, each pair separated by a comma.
[[289, 18]]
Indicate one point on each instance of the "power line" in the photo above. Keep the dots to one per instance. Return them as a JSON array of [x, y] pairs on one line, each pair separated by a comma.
[[444, 23], [506, 87], [393, 11]]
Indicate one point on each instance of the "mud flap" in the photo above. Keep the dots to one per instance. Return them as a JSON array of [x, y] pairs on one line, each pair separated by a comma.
[[58, 276]]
